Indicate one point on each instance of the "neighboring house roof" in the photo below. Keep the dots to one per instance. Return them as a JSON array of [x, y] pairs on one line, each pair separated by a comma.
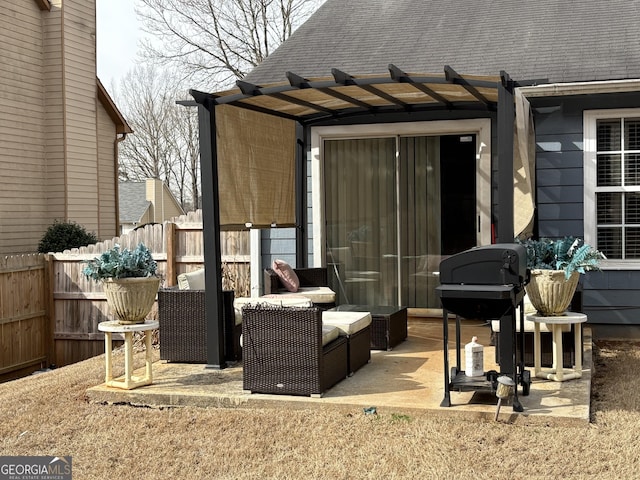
[[559, 41], [133, 202], [121, 124]]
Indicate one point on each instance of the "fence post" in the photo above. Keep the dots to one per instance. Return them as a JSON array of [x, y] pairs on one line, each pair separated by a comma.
[[49, 305], [170, 248]]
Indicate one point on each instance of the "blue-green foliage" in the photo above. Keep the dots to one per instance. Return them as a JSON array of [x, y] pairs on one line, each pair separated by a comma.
[[569, 254], [125, 263]]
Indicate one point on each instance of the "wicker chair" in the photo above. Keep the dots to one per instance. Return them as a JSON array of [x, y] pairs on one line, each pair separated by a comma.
[[283, 351], [183, 326], [309, 277]]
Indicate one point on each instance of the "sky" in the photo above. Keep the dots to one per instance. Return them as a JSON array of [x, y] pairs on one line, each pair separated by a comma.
[[118, 37]]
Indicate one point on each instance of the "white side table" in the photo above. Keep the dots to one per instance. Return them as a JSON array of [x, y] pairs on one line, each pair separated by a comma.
[[557, 373], [129, 381]]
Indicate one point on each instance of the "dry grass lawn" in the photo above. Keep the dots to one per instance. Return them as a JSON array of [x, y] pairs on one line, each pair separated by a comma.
[[47, 414]]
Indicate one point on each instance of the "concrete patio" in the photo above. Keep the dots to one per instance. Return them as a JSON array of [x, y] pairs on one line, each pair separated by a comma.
[[407, 380]]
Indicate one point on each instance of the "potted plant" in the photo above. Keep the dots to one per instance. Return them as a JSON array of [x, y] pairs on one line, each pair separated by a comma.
[[555, 267], [129, 281]]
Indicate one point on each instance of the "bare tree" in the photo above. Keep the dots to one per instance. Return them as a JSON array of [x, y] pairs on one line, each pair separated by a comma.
[[164, 144], [208, 41], [219, 40]]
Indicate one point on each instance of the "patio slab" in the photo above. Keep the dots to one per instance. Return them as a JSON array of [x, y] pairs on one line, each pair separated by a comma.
[[407, 380]]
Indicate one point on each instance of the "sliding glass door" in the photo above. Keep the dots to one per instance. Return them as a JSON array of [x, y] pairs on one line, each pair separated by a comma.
[[384, 215]]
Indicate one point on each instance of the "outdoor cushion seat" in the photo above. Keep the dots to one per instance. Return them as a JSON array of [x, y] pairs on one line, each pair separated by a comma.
[[192, 280], [349, 323], [288, 350], [329, 334], [275, 300], [315, 294], [313, 285], [356, 327]]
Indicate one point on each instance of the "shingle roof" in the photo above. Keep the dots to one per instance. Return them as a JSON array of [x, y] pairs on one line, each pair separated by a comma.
[[133, 201], [564, 41]]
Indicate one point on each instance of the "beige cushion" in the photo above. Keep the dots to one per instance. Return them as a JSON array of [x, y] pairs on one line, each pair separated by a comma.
[[329, 334], [285, 300], [287, 276], [191, 281], [276, 300], [317, 294], [348, 322]]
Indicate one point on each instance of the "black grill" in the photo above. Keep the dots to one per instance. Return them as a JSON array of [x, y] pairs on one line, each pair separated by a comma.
[[485, 283]]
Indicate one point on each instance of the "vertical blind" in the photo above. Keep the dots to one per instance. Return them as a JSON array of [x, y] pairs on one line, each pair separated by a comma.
[[382, 204]]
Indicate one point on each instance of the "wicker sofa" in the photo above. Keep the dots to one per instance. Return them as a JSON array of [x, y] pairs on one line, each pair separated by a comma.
[[313, 285], [287, 351]]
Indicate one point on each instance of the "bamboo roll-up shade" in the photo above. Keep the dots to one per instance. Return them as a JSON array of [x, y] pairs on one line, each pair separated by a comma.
[[256, 169]]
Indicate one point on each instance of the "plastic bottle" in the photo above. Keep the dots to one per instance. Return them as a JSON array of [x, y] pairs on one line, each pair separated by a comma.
[[474, 358]]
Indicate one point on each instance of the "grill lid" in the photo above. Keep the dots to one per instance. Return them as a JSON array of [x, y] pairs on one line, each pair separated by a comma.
[[498, 264]]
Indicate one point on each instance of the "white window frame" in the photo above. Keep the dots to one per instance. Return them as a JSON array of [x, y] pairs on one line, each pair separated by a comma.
[[481, 127], [590, 120]]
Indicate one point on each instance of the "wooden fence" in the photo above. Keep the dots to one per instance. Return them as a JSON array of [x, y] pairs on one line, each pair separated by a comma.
[[49, 312], [25, 334]]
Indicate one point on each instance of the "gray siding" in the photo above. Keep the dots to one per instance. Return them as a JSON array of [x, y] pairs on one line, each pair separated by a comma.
[[278, 243], [609, 297]]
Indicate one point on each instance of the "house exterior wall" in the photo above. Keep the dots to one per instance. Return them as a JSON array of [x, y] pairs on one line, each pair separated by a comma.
[[22, 144], [56, 141], [609, 296], [79, 69], [163, 204], [54, 117], [107, 173]]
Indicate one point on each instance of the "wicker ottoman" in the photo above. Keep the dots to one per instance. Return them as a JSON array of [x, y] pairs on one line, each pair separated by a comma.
[[388, 324], [356, 326]]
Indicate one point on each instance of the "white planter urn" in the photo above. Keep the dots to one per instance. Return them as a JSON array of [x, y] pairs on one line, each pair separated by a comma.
[[131, 299], [550, 292]]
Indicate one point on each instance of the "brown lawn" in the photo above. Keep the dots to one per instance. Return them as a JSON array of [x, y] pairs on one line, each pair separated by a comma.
[[47, 414]]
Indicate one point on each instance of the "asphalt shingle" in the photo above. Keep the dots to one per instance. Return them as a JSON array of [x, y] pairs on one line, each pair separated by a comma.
[[563, 41]]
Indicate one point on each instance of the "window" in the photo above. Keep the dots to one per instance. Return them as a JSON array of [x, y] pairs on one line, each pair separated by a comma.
[[612, 183]]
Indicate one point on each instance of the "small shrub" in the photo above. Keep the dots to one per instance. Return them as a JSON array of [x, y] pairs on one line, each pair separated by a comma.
[[62, 236]]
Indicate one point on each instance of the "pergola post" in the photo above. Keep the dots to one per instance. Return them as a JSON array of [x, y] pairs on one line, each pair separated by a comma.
[[211, 235], [301, 195], [506, 118]]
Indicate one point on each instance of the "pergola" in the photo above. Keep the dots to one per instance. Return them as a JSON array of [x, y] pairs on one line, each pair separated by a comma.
[[304, 102]]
